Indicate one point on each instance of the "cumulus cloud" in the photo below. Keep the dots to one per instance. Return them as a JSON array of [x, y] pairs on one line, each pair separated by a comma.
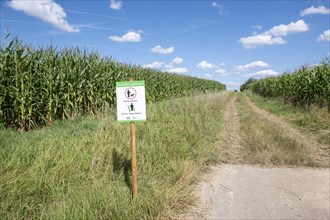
[[177, 60], [292, 28], [179, 70], [154, 65], [259, 40], [324, 37], [130, 36], [221, 72], [315, 10], [274, 35], [46, 10], [252, 65], [160, 50], [262, 73], [168, 67], [115, 5], [205, 65]]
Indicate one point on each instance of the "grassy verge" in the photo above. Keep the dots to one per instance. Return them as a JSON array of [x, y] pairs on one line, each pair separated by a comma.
[[315, 121], [267, 143], [80, 169]]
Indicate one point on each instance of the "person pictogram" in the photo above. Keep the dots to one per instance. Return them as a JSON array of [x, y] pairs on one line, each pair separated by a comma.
[[131, 108]]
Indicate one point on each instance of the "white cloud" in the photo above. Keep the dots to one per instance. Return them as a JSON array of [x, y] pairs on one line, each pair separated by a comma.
[[257, 27], [115, 5], [324, 37], [154, 65], [169, 67], [216, 5], [262, 73], [254, 64], [232, 83], [160, 50], [205, 65], [221, 72], [177, 60], [219, 7], [274, 35], [292, 28], [315, 10], [46, 10], [130, 36], [259, 40], [178, 70]]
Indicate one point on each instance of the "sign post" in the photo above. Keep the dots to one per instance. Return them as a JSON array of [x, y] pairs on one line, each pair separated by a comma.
[[131, 107], [133, 161]]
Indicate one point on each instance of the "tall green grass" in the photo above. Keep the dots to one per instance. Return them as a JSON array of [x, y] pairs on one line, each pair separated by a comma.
[[305, 87], [80, 168], [40, 85]]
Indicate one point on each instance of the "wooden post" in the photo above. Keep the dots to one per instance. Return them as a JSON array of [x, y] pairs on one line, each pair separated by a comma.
[[133, 161], [134, 176]]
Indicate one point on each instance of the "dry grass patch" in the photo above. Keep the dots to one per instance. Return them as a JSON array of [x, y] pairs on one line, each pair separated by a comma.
[[268, 142]]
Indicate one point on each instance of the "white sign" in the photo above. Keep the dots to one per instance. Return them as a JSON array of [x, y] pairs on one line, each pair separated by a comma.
[[131, 101]]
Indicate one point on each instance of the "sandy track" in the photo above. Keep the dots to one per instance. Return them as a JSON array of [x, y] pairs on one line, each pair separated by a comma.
[[231, 130], [236, 191]]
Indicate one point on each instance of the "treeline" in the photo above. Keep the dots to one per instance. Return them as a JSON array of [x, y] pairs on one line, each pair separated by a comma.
[[40, 85], [305, 87]]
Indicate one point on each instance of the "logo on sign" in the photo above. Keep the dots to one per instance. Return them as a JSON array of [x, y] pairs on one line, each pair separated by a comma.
[[130, 93], [131, 107]]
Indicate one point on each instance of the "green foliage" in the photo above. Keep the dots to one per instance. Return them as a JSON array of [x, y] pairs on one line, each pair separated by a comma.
[[38, 86], [80, 169], [245, 85], [303, 88]]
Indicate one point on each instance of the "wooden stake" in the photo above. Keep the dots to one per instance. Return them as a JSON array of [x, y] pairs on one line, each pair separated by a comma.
[[133, 161], [134, 176]]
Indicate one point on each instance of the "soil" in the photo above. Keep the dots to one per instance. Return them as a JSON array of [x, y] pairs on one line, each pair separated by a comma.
[[238, 191]]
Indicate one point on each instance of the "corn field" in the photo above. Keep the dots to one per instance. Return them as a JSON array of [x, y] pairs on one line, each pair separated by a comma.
[[305, 87], [40, 85]]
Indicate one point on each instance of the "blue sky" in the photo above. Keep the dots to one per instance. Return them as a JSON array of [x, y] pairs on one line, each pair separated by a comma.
[[226, 41]]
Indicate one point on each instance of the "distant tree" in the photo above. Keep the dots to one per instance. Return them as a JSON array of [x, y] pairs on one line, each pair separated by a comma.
[[244, 86]]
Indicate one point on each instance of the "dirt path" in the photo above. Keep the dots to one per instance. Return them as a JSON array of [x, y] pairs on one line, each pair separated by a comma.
[[322, 151], [231, 130], [237, 191]]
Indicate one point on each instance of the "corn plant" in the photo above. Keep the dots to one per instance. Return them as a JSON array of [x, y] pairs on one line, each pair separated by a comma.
[[40, 85], [305, 87]]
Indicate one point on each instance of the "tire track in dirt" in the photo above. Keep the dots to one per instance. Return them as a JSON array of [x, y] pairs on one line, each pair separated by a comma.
[[237, 191], [320, 151], [231, 132]]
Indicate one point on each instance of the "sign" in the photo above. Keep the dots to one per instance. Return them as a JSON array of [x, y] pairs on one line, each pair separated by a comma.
[[131, 101]]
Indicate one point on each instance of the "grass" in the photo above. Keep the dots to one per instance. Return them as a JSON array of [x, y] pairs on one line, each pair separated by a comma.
[[314, 122], [80, 168], [267, 143]]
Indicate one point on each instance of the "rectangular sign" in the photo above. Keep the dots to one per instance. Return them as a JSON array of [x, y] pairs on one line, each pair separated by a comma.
[[131, 101]]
